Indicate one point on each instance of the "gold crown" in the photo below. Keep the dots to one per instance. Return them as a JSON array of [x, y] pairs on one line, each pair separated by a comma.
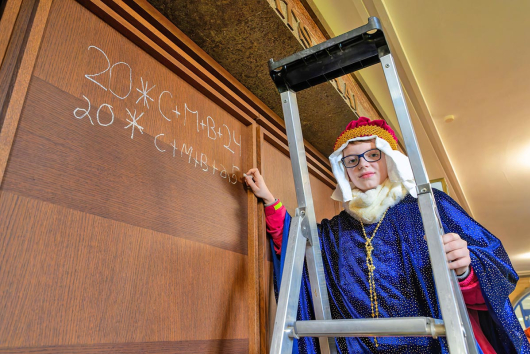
[[366, 130]]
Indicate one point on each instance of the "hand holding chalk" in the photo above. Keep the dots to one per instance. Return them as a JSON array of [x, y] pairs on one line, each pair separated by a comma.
[[255, 181]]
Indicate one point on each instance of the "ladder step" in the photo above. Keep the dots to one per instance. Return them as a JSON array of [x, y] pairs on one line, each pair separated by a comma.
[[368, 327]]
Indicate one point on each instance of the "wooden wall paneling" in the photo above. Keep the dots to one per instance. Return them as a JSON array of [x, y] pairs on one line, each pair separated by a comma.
[[228, 346], [272, 307], [91, 46], [116, 230], [325, 207], [142, 8], [7, 24], [62, 171], [153, 33], [14, 52], [264, 259], [191, 143], [319, 171], [13, 108], [253, 284], [267, 298], [277, 172], [153, 16], [141, 40], [276, 163], [134, 171], [281, 135], [73, 279]]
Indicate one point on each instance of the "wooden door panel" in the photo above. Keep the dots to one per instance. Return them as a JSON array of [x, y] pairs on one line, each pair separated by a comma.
[[124, 226]]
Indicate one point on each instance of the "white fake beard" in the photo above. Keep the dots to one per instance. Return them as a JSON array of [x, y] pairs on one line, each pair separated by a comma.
[[369, 206]]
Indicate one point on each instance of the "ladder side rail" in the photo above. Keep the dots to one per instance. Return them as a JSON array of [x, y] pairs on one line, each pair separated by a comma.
[[470, 335], [289, 288], [446, 293], [402, 113], [451, 314], [304, 197]]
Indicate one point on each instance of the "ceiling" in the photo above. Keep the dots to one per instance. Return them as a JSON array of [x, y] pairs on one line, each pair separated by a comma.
[[467, 59]]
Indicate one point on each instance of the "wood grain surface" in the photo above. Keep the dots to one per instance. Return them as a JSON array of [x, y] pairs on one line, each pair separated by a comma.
[[23, 60], [264, 258], [272, 122], [102, 171], [123, 224], [7, 24], [14, 31], [69, 277], [278, 174], [227, 346]]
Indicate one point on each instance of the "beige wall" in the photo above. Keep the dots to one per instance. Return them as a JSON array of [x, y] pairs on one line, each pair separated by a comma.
[[522, 285]]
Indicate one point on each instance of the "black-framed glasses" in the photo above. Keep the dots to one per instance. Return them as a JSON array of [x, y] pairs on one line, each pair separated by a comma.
[[371, 155]]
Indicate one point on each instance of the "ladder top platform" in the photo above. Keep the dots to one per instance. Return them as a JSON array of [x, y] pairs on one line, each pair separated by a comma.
[[333, 58]]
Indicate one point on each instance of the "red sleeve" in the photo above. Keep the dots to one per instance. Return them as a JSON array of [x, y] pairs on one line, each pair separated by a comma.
[[274, 217], [475, 301], [471, 291]]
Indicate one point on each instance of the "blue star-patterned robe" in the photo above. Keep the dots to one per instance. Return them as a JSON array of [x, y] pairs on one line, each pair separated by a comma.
[[403, 278]]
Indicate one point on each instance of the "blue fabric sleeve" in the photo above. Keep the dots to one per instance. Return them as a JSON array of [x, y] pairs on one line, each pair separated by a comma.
[[495, 274]]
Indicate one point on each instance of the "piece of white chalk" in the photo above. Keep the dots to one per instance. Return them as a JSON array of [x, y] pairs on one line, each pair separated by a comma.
[[244, 175]]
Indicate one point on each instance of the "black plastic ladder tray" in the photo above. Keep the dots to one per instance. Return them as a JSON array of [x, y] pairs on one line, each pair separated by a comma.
[[336, 57]]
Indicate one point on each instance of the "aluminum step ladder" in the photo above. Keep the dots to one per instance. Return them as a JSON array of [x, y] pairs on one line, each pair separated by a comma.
[[352, 51]]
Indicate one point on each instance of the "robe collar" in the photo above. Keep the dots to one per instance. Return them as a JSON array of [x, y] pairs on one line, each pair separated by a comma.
[[369, 206]]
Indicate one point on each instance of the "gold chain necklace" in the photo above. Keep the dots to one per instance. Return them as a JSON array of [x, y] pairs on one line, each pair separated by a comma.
[[370, 265]]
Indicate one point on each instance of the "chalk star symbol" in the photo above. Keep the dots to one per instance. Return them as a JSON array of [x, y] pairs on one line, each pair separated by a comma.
[[144, 93], [134, 122]]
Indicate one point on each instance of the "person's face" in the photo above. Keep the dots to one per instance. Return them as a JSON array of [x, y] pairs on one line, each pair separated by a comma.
[[366, 175]]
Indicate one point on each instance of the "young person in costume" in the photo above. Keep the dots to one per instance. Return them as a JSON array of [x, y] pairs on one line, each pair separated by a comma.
[[375, 256]]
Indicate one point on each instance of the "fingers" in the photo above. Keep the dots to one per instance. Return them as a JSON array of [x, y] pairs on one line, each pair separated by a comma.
[[250, 182], [254, 172], [255, 181], [455, 245], [450, 237], [456, 252], [460, 264]]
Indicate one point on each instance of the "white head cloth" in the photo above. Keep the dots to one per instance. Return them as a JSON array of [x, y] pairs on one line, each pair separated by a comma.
[[398, 166]]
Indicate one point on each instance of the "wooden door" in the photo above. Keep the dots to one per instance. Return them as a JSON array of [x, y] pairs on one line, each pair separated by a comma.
[[124, 226]]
